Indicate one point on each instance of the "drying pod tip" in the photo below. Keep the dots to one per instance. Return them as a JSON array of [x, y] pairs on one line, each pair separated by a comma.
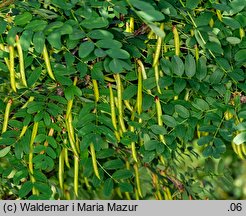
[[108, 85]]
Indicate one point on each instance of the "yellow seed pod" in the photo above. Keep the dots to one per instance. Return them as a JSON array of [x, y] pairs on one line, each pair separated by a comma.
[[12, 67], [47, 63], [243, 147], [21, 61], [211, 22], [234, 147], [167, 193], [192, 32], [198, 133], [176, 40], [242, 33], [219, 15], [238, 150], [6, 115], [94, 160], [61, 168], [240, 153]]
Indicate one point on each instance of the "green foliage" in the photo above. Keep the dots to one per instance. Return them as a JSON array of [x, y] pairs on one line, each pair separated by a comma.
[[127, 145]]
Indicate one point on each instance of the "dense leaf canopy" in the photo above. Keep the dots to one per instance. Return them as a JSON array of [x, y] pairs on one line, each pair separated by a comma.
[[126, 99]]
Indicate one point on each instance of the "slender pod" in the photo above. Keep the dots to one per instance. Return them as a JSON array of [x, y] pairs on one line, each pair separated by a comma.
[[87, 183], [70, 128], [94, 160], [234, 147], [133, 147], [6, 115], [198, 132], [108, 79], [69, 125], [156, 60], [119, 100], [158, 111], [131, 25], [47, 63], [69, 108], [137, 178], [142, 69], [139, 102], [76, 175], [156, 68], [127, 27], [71, 137], [11, 67], [112, 109], [112, 106], [158, 195], [239, 152], [21, 61], [136, 194], [118, 192], [176, 40], [66, 157], [140, 92], [134, 153], [196, 53], [24, 128], [211, 22], [127, 194], [151, 35], [128, 106], [76, 168], [219, 15], [159, 119], [158, 47], [61, 168], [70, 102], [31, 98], [243, 147], [157, 186], [167, 193], [77, 143], [30, 159], [23, 131], [187, 94], [33, 136], [96, 90], [241, 33], [116, 102]]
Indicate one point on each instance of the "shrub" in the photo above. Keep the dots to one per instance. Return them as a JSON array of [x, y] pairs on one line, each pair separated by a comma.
[[121, 99]]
